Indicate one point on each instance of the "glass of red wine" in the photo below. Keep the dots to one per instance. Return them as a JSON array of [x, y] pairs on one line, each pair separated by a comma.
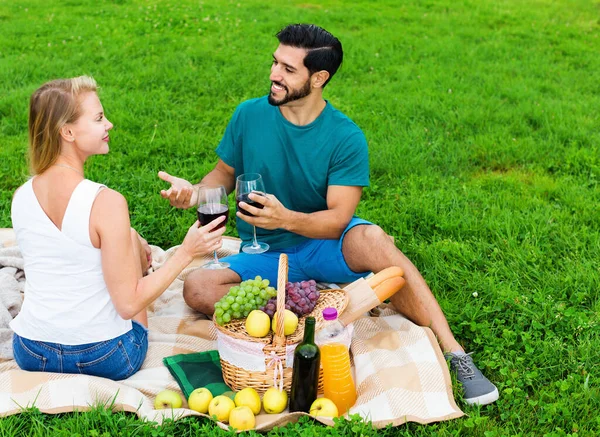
[[212, 204], [244, 185]]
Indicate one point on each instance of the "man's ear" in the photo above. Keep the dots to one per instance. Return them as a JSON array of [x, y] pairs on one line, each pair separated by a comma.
[[66, 133], [319, 78]]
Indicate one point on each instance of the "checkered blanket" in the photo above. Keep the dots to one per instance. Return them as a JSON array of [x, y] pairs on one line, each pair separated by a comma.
[[400, 372]]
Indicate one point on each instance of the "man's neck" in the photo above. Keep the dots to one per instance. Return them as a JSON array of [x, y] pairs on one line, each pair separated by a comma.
[[304, 111]]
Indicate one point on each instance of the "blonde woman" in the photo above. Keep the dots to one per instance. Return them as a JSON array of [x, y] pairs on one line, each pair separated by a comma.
[[85, 296]]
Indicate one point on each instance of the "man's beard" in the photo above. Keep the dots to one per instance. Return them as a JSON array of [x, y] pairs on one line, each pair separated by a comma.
[[291, 96]]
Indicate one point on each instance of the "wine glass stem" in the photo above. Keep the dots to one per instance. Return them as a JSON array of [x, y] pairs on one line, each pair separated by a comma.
[[255, 241], [216, 258]]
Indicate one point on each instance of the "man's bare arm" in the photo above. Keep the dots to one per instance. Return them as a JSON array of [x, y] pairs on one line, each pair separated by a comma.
[[328, 224]]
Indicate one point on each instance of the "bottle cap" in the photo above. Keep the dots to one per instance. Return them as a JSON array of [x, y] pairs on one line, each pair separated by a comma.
[[330, 313]]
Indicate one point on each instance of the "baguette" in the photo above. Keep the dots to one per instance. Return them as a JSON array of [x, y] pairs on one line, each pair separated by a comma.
[[389, 287], [387, 273]]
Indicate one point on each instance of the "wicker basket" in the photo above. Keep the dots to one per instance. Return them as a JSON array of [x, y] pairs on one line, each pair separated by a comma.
[[237, 377]]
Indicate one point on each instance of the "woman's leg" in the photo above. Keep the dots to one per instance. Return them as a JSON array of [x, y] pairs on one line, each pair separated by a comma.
[[140, 254]]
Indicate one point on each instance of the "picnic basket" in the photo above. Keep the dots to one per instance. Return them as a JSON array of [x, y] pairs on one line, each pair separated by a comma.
[[278, 349]]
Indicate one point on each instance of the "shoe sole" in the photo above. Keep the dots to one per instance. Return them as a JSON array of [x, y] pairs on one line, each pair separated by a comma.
[[485, 399]]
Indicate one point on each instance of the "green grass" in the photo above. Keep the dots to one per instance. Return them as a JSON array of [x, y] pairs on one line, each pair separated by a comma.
[[482, 120]]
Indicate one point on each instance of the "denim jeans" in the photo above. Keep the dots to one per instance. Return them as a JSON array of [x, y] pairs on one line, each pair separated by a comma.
[[115, 359]]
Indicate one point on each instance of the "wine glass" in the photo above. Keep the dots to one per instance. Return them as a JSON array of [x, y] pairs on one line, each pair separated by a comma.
[[244, 185], [212, 204]]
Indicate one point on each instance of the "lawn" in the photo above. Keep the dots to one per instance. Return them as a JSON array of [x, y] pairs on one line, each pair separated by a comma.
[[483, 125]]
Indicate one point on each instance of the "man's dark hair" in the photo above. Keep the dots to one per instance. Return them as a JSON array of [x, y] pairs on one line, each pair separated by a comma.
[[324, 50]]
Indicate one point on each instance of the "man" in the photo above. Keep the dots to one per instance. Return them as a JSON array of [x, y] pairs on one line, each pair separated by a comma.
[[314, 162]]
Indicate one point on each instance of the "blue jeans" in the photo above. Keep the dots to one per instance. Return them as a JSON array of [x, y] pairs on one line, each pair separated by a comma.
[[321, 260], [115, 359]]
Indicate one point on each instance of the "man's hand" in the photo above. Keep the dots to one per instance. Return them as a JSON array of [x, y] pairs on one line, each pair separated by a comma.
[[147, 251], [181, 194], [273, 215]]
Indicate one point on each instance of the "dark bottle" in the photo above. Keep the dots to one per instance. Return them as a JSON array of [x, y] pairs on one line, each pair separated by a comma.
[[305, 374]]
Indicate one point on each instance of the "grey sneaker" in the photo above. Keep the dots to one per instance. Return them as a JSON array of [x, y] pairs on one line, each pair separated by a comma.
[[476, 387]]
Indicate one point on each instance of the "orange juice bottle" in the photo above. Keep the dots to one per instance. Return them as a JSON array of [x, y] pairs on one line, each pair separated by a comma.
[[338, 385]]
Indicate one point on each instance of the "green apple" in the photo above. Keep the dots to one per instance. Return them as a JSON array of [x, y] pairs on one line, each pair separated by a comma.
[[242, 418], [200, 399], [258, 323], [290, 322], [168, 399], [323, 407], [220, 408], [248, 397], [274, 400]]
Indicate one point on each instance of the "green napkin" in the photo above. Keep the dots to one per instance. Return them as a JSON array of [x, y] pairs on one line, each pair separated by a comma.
[[200, 369]]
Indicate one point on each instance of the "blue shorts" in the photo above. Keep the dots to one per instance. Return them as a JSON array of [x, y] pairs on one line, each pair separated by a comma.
[[115, 359], [321, 260]]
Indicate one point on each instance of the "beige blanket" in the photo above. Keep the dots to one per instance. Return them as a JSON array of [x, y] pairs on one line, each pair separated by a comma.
[[400, 371]]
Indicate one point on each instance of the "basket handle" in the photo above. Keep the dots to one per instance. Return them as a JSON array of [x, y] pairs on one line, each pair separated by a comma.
[[279, 339]]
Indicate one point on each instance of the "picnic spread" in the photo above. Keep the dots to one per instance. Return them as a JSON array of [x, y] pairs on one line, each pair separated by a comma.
[[399, 372]]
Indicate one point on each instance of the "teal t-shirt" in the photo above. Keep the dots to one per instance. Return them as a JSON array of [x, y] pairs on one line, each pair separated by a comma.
[[297, 163]]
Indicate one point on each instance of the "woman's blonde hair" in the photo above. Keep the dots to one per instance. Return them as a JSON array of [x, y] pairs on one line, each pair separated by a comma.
[[53, 105]]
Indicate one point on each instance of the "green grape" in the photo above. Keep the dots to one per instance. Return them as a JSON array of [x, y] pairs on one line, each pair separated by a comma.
[[255, 290], [249, 306], [235, 306], [248, 288], [219, 312], [236, 315], [245, 313], [225, 305], [240, 299], [233, 292], [218, 304], [230, 299], [258, 278], [241, 293], [235, 288], [227, 317], [220, 320], [263, 294], [265, 282]]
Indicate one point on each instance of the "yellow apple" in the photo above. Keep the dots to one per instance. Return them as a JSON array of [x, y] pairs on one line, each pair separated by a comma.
[[290, 322], [258, 323], [323, 407], [220, 408], [248, 397], [200, 399], [274, 400], [168, 399], [242, 418]]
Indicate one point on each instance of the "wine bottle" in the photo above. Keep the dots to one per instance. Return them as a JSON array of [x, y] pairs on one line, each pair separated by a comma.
[[305, 373]]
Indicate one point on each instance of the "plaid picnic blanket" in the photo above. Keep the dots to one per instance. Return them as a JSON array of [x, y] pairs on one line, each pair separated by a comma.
[[400, 372]]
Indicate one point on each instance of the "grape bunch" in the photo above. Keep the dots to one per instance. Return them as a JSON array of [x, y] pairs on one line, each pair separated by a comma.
[[241, 299], [300, 298]]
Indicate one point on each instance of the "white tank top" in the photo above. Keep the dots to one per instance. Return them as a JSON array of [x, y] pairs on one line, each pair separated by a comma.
[[66, 298]]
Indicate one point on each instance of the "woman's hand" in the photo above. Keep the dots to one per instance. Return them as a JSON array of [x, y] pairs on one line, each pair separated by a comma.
[[204, 240]]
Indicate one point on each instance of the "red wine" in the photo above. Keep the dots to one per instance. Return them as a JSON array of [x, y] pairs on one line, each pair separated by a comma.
[[305, 372], [211, 211], [244, 198]]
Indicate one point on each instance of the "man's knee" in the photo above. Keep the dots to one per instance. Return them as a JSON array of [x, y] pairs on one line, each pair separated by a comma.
[[196, 291], [367, 234]]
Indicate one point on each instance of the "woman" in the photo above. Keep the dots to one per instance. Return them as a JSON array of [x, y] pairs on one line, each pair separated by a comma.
[[85, 296]]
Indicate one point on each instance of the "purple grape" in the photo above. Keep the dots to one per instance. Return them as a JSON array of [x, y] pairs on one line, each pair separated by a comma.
[[312, 283], [312, 297]]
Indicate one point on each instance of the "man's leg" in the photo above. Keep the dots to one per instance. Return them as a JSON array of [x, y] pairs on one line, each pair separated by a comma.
[[368, 248], [203, 288]]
